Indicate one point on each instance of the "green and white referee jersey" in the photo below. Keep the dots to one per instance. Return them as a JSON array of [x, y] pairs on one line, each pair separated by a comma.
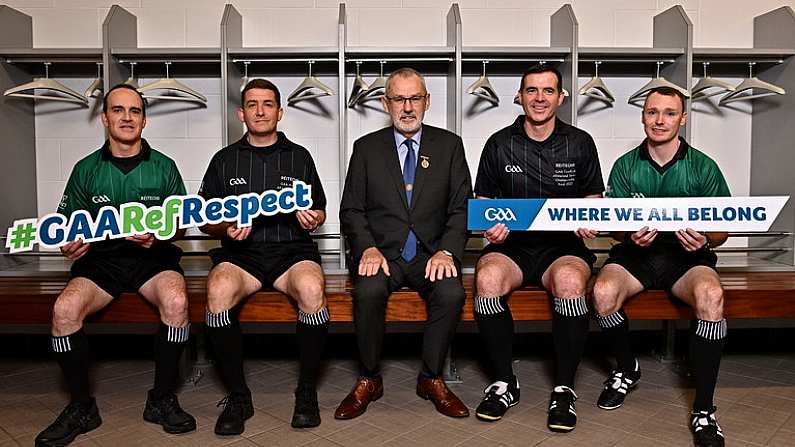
[[100, 179], [691, 173]]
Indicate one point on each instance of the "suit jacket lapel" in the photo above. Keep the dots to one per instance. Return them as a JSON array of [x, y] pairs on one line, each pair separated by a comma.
[[392, 163], [426, 150]]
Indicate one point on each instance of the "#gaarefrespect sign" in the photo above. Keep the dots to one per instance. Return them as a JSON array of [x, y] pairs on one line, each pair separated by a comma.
[[751, 214]]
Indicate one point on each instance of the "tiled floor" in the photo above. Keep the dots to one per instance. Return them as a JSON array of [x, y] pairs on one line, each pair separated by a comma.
[[755, 397]]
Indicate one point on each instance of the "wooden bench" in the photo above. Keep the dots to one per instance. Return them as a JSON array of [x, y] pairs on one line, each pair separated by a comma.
[[29, 300]]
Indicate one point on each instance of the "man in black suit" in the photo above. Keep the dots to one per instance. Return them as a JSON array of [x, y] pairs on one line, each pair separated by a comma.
[[403, 213]]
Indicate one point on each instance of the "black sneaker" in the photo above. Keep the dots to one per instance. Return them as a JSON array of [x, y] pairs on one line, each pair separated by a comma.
[[500, 396], [617, 386], [75, 419], [237, 408], [706, 431], [562, 416], [167, 413], [306, 413]]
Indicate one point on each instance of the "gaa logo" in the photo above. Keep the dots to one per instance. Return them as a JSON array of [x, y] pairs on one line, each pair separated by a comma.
[[513, 169], [100, 199], [501, 214], [237, 181]]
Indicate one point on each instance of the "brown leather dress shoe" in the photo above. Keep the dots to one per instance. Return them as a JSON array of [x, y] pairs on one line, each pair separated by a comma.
[[355, 403], [445, 401]]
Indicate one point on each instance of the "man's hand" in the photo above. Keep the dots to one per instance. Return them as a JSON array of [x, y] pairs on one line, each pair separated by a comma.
[[585, 233], [237, 234], [75, 250], [440, 266], [144, 240], [372, 260], [644, 237], [309, 219], [497, 234], [691, 239]]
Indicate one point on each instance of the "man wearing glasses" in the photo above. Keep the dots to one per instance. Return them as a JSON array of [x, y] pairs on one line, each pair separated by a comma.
[[403, 214]]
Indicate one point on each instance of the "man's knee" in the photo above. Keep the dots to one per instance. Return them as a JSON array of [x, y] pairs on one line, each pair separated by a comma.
[[491, 278], [568, 279], [449, 293], [67, 311], [174, 305], [309, 294], [370, 290], [222, 289], [606, 296], [709, 300]]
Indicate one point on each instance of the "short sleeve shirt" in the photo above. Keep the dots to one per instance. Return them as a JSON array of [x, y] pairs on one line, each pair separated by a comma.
[[242, 168], [514, 166]]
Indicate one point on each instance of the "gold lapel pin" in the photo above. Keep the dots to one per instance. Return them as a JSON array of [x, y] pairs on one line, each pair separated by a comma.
[[425, 163]]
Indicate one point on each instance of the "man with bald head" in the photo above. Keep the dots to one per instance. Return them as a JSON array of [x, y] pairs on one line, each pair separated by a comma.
[[403, 214]]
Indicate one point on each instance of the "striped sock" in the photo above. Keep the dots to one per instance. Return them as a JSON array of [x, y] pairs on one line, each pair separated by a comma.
[[170, 341], [495, 324], [72, 353], [226, 339], [707, 340], [569, 331], [311, 331]]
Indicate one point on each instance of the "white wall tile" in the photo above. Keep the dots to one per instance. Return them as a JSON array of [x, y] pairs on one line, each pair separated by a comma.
[[359, 3], [256, 23], [444, 4], [48, 160], [634, 28], [541, 25], [325, 152], [29, 3], [596, 21], [303, 27], [96, 3], [425, 28], [203, 27], [663, 5], [167, 119], [473, 148], [64, 27], [191, 155], [206, 122], [48, 196], [74, 150], [332, 202], [496, 27], [524, 4], [160, 27]]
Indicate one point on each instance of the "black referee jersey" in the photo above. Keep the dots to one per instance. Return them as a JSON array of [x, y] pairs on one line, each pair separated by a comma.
[[242, 168], [513, 166]]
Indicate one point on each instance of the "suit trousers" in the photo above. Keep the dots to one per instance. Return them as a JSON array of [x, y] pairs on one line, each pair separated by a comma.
[[445, 300]]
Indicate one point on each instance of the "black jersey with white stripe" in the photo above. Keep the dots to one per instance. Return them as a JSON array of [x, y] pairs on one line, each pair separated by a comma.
[[242, 168], [514, 166]]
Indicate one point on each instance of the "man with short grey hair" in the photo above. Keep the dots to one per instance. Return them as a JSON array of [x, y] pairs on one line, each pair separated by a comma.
[[403, 214]]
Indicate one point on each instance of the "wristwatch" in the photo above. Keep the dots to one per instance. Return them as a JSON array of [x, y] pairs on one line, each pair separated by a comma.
[[447, 253]]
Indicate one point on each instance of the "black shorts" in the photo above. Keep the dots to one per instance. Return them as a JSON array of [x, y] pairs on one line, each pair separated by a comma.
[[266, 261], [128, 271], [660, 266], [535, 252]]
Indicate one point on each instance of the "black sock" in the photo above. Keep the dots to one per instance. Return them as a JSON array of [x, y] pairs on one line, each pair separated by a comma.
[[311, 331], [707, 339], [170, 341], [495, 324], [226, 338], [71, 352], [569, 331], [616, 328]]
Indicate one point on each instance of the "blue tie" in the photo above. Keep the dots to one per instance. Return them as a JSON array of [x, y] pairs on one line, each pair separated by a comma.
[[409, 169]]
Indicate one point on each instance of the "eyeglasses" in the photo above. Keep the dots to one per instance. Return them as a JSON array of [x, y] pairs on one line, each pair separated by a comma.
[[401, 100]]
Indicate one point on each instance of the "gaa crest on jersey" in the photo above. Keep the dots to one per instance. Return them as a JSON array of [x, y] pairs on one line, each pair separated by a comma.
[[102, 198]]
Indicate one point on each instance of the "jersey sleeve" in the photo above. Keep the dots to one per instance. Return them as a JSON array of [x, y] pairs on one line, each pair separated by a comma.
[[313, 178], [618, 183], [74, 196], [591, 178], [212, 185], [486, 183], [712, 182]]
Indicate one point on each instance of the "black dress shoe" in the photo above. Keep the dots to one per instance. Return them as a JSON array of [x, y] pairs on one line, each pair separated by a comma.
[[237, 408], [306, 413], [75, 419], [167, 412]]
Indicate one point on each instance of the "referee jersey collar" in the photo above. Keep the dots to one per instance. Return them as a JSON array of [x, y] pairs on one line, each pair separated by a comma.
[[280, 144], [681, 153], [146, 150], [561, 128]]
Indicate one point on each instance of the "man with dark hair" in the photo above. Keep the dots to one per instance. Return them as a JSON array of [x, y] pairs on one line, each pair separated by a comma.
[[664, 165], [403, 214], [126, 169], [538, 156], [275, 251]]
